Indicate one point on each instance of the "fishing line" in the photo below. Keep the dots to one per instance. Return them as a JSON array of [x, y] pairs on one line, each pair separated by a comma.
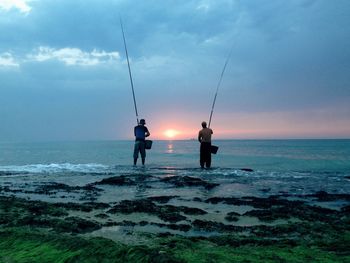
[[218, 85], [130, 76]]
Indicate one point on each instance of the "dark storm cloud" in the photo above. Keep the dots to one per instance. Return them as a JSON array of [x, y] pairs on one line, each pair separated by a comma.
[[287, 56]]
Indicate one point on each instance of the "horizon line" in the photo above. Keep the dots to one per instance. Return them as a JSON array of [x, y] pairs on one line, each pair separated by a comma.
[[167, 140]]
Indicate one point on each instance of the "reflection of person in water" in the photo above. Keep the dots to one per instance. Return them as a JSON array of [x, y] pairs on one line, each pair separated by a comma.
[[204, 137], [141, 132]]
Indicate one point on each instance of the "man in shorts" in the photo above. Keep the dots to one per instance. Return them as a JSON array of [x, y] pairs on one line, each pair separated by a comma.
[[141, 132]]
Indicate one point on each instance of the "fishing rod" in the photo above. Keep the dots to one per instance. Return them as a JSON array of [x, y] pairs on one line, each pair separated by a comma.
[[217, 87], [130, 76]]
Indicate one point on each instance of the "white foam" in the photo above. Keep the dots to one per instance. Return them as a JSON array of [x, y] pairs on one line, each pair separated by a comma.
[[55, 168]]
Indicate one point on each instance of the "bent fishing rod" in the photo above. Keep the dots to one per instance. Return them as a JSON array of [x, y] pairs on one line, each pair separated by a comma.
[[217, 87], [130, 76]]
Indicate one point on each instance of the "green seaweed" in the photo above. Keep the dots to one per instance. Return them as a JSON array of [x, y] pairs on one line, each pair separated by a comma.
[[249, 251], [23, 245], [35, 231]]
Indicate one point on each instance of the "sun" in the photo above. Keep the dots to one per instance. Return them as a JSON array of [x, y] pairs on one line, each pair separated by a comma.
[[170, 133]]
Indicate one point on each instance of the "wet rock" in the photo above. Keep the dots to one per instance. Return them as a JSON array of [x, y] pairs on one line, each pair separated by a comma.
[[182, 181], [346, 210], [165, 235], [145, 206], [15, 212], [52, 188], [110, 223], [91, 197], [191, 210], [116, 180], [76, 225], [7, 189], [256, 202], [232, 217], [7, 173], [102, 215], [135, 206], [247, 169], [179, 227], [141, 177], [185, 209], [323, 196], [170, 213], [8, 204], [292, 230], [143, 223], [127, 223], [85, 207], [226, 200], [68, 225], [265, 190], [167, 213], [211, 226], [162, 199], [40, 208], [268, 215], [293, 210], [171, 217]]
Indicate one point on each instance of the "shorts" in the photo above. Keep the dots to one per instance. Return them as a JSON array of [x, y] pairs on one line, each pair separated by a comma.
[[139, 147]]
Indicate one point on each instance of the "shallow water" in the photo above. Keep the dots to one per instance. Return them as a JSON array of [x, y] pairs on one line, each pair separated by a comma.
[[281, 166], [293, 168], [267, 155]]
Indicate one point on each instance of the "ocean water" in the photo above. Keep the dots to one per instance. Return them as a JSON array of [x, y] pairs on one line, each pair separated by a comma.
[[280, 166], [266, 155]]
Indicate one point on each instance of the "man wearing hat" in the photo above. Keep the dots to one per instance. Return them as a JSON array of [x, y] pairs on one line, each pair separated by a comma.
[[141, 132]]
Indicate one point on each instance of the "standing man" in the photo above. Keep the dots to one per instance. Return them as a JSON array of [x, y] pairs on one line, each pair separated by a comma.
[[141, 132], [204, 137]]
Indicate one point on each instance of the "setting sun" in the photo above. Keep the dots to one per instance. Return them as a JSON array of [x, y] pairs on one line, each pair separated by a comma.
[[171, 133]]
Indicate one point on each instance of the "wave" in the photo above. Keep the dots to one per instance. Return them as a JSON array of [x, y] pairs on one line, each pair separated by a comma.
[[156, 170], [53, 168]]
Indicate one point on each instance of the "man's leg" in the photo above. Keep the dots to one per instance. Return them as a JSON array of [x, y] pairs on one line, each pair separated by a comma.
[[202, 155], [143, 152], [206, 154], [136, 152], [208, 159]]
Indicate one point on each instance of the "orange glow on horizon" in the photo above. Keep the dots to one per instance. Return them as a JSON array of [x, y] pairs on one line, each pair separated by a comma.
[[257, 125], [170, 133]]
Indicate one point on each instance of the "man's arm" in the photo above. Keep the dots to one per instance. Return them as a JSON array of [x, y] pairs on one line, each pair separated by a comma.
[[147, 133], [200, 137]]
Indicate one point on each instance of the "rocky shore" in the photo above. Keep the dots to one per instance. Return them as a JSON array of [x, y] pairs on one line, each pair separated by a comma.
[[171, 227]]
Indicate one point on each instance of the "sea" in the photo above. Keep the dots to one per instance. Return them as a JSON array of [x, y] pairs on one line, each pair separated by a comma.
[[241, 167]]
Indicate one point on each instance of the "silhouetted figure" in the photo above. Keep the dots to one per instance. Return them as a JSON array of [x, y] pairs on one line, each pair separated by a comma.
[[141, 132], [204, 137]]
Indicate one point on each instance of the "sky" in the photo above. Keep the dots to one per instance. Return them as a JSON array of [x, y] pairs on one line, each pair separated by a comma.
[[64, 75]]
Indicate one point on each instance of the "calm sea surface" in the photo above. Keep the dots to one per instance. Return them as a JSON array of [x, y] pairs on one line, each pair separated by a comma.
[[293, 166], [266, 155]]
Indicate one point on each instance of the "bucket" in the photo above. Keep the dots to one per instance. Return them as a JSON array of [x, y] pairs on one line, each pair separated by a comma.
[[214, 149], [148, 144]]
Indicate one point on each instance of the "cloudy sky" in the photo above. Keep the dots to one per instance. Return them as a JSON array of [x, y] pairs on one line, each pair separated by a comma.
[[63, 71]]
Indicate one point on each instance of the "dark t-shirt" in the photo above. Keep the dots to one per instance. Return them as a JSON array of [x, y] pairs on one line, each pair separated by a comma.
[[140, 132]]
